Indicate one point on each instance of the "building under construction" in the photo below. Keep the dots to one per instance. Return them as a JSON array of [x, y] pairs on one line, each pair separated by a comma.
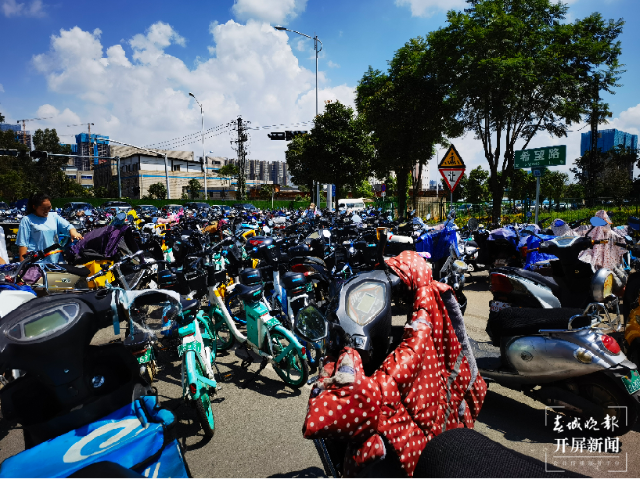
[[89, 147], [23, 137]]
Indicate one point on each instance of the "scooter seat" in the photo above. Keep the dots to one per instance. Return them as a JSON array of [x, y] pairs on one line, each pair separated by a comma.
[[81, 271], [189, 304], [248, 293], [524, 321], [530, 275]]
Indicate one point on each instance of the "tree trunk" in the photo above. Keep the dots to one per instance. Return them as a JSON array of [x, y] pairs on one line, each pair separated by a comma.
[[416, 187], [497, 192], [402, 176]]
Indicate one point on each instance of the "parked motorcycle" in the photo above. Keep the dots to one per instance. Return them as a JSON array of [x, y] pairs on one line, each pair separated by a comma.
[[571, 284]]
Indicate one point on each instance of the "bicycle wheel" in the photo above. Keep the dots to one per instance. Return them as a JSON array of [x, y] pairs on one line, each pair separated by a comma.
[[293, 369], [203, 406], [224, 336]]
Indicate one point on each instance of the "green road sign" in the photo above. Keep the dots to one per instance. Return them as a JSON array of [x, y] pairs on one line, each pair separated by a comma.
[[546, 156]]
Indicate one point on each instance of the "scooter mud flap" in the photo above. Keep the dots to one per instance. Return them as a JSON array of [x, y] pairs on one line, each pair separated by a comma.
[[120, 437]]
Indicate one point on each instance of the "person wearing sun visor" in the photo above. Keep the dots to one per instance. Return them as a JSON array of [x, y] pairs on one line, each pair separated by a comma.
[[41, 228]]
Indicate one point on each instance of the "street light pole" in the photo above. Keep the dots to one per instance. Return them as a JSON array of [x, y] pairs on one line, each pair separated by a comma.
[[316, 40], [204, 158]]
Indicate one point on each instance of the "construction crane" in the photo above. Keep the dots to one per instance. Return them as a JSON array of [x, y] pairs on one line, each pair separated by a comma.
[[24, 126], [89, 125]]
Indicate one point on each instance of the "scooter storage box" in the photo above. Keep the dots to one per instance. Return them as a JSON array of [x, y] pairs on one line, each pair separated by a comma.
[[167, 279], [251, 276], [293, 280], [145, 444], [192, 281]]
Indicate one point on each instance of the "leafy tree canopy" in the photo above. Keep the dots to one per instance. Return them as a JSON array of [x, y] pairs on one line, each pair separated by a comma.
[[158, 191], [338, 150], [519, 69]]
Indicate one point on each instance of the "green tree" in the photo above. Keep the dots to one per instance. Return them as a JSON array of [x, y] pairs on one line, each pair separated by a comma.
[[553, 186], [338, 150], [574, 191], [299, 162], [17, 178], [364, 190], [408, 111], [477, 188], [610, 172], [194, 188], [520, 69], [158, 191], [229, 171], [51, 177], [266, 191]]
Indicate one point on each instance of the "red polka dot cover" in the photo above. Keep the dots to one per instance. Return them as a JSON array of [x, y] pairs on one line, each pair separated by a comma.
[[425, 386]]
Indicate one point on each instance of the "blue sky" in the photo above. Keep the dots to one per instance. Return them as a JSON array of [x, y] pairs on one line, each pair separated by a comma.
[[128, 66]]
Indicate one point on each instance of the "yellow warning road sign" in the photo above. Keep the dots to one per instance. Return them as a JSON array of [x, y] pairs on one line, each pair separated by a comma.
[[452, 159]]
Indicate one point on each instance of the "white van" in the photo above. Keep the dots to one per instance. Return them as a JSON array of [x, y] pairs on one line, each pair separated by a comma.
[[355, 204]]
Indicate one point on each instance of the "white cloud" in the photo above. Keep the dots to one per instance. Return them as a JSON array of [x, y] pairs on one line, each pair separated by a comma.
[[628, 121], [270, 11], [11, 8], [142, 97], [1, 88], [427, 8], [302, 44], [330, 64]]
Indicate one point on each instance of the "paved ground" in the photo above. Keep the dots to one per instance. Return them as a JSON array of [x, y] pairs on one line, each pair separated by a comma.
[[258, 428]]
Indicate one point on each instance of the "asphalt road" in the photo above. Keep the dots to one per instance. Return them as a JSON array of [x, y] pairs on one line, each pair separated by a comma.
[[258, 427]]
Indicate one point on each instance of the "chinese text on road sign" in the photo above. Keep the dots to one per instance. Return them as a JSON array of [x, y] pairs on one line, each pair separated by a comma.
[[546, 156]]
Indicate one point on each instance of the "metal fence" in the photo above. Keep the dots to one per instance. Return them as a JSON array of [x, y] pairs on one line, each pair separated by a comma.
[[568, 210]]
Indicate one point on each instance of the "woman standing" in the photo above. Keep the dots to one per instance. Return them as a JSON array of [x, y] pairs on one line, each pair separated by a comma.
[[42, 227]]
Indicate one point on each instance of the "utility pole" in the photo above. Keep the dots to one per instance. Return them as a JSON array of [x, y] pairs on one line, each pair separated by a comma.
[[594, 139], [242, 159]]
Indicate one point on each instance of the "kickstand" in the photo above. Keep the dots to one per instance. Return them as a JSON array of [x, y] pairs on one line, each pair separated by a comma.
[[219, 374], [253, 377]]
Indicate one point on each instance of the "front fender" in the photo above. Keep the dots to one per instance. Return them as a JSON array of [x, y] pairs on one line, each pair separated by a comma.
[[190, 373], [293, 342]]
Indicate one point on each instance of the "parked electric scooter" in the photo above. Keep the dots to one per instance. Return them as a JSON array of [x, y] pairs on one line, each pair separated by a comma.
[[564, 358], [73, 394], [570, 286]]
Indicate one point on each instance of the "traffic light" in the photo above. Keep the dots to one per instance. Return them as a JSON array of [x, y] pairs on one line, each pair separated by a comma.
[[290, 135], [39, 154], [276, 135]]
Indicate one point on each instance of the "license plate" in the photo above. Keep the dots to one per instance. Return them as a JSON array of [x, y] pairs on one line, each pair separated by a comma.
[[496, 306], [192, 346], [500, 262], [144, 358], [632, 383]]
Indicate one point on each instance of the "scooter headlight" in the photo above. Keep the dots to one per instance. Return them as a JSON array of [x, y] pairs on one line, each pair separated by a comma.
[[365, 302], [459, 266]]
